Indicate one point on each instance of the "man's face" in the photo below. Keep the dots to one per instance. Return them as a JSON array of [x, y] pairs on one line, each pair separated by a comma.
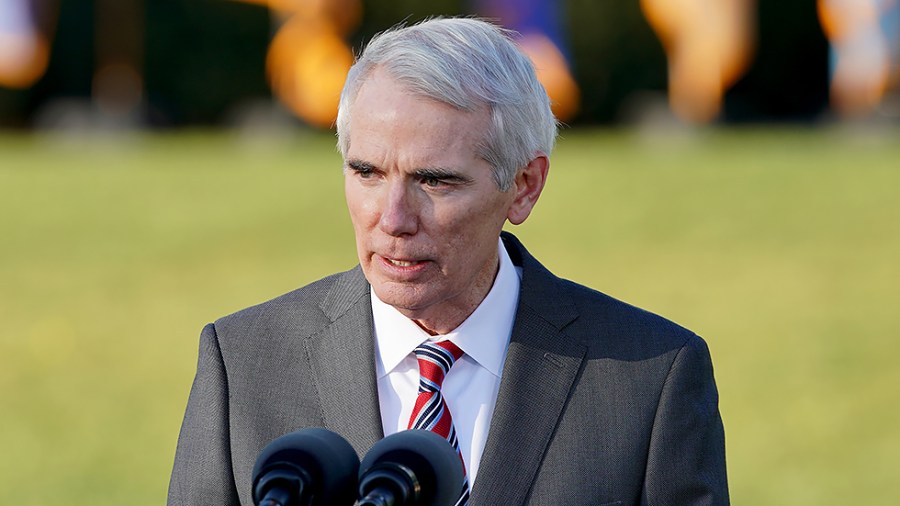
[[425, 208]]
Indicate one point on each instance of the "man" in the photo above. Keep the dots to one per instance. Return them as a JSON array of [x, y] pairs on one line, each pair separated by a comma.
[[561, 395]]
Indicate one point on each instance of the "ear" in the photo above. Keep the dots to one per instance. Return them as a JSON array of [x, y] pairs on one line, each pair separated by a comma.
[[528, 185]]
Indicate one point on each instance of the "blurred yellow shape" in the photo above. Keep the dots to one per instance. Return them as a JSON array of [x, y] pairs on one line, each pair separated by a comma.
[[709, 45], [307, 64], [344, 14], [308, 58]]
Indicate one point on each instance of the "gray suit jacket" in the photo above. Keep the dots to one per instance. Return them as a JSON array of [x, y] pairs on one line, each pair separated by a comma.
[[600, 402]]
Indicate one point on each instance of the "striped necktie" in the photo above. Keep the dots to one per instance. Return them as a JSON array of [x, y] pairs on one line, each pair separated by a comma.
[[431, 412]]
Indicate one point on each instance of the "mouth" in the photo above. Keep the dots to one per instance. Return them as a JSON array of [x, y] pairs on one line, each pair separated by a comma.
[[403, 263], [403, 266]]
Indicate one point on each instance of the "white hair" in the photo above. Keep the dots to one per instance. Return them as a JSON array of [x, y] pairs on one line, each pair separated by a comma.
[[466, 63]]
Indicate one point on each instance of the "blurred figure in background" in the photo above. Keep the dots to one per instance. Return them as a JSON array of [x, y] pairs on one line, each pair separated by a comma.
[[309, 56], [865, 56], [24, 47], [541, 35], [709, 45]]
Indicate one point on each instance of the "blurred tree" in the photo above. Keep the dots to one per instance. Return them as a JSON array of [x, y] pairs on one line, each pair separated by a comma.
[[203, 57], [788, 80], [616, 56], [379, 15]]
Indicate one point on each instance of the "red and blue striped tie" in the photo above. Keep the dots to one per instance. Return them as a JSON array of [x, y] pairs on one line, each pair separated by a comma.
[[431, 412]]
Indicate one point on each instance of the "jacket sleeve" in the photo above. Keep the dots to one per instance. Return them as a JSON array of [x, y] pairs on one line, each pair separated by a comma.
[[202, 474], [686, 461]]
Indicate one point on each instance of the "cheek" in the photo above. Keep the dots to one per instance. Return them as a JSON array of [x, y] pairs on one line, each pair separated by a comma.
[[359, 205], [475, 217], [468, 235]]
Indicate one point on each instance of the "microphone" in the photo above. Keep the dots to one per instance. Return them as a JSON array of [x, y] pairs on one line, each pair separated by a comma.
[[309, 467], [411, 468]]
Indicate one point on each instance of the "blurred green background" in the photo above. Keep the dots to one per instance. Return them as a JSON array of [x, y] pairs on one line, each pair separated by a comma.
[[780, 246]]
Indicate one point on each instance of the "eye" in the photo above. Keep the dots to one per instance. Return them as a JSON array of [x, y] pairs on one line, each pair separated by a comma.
[[431, 181], [361, 170]]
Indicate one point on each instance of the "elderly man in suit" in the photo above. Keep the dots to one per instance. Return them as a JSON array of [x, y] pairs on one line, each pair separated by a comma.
[[555, 394]]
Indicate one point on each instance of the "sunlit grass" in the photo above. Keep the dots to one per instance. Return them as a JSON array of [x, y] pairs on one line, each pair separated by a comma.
[[779, 247]]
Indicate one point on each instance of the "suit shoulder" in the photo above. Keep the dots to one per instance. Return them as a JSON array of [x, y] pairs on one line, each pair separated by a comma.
[[300, 308], [620, 323]]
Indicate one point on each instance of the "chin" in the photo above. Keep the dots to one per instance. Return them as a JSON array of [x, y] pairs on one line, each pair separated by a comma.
[[401, 297]]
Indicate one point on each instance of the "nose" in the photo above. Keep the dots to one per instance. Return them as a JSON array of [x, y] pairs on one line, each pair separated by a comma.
[[399, 214]]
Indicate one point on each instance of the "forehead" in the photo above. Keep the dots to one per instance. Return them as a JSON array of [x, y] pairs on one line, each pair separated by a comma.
[[387, 119]]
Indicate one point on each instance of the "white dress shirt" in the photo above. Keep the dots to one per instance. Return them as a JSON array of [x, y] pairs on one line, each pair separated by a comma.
[[470, 388]]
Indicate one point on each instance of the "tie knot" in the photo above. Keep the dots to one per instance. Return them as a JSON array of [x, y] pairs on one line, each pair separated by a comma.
[[435, 359]]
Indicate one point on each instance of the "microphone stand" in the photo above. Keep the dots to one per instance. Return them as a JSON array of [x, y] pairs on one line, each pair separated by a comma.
[[389, 484]]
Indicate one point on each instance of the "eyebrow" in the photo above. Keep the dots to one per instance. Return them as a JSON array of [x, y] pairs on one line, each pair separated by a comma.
[[443, 174], [360, 165]]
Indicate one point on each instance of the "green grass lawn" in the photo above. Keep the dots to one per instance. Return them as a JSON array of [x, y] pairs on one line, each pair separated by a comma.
[[780, 247]]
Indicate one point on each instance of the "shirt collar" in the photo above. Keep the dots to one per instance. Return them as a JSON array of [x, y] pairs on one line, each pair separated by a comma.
[[483, 336]]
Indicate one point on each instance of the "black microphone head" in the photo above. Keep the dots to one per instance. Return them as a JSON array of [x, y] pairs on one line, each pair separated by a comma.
[[325, 461], [435, 464]]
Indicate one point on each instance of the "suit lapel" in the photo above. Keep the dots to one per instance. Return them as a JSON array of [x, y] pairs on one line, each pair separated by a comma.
[[341, 358], [541, 367]]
